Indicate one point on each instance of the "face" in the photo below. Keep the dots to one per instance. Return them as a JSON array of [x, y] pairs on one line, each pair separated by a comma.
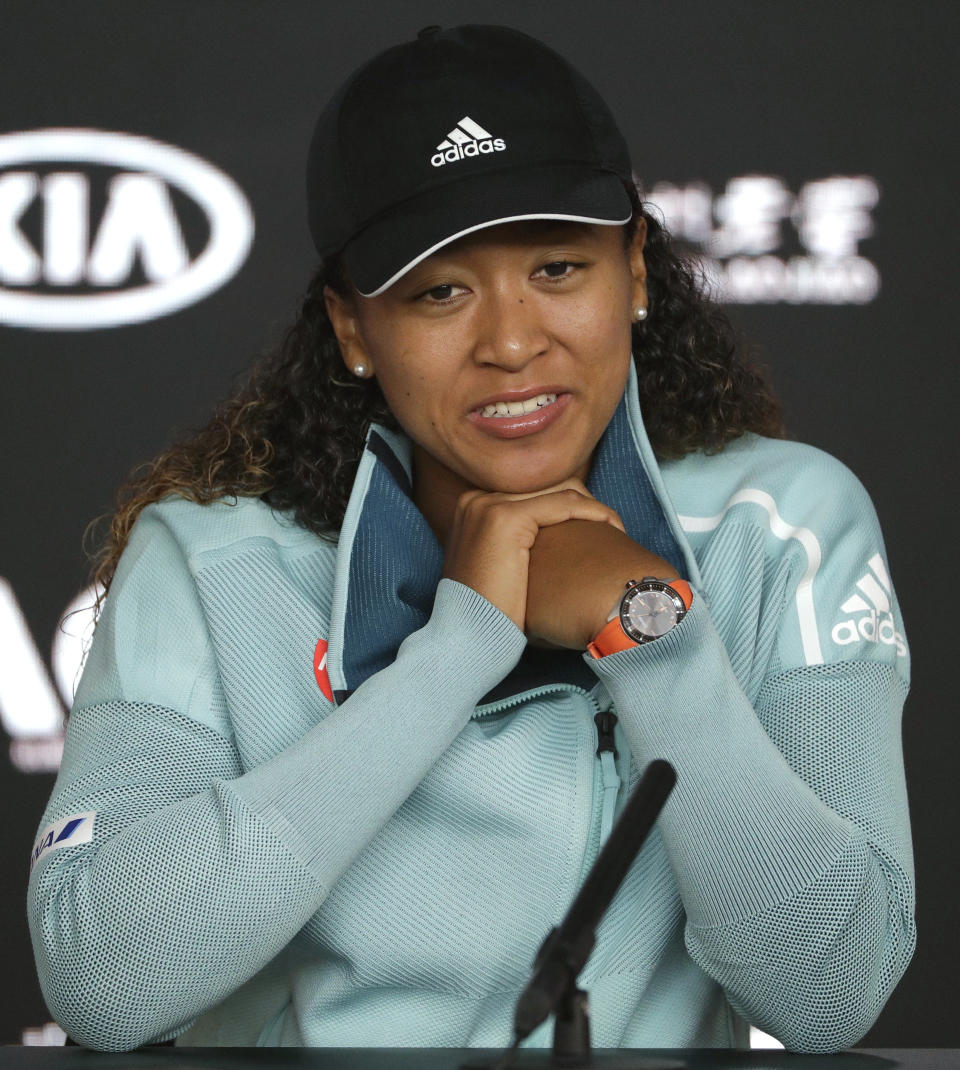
[[531, 307]]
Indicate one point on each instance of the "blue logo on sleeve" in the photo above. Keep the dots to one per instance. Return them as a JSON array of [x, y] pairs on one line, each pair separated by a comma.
[[67, 832]]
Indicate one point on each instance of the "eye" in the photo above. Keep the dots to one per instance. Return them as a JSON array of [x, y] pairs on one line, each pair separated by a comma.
[[561, 269], [556, 271], [439, 295]]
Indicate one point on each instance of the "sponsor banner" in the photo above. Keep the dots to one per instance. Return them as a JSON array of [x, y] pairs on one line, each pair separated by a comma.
[[32, 699], [758, 242], [48, 1035], [83, 269]]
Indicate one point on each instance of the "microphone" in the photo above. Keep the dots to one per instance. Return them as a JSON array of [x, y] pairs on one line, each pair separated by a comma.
[[567, 947]]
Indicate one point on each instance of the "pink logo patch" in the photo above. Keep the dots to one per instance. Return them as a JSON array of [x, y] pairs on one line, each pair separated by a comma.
[[320, 668]]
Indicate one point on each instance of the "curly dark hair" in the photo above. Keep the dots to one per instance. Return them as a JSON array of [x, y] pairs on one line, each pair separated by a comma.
[[294, 432]]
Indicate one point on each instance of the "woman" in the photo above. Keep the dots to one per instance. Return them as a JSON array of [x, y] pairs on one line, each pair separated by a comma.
[[508, 614]]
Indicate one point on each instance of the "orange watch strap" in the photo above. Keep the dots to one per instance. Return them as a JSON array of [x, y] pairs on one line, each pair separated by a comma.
[[683, 589], [610, 639]]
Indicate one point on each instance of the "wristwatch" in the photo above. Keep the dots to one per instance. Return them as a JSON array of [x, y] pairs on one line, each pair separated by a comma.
[[648, 608]]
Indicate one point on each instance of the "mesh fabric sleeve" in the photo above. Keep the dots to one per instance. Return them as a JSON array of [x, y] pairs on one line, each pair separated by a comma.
[[788, 829], [196, 873]]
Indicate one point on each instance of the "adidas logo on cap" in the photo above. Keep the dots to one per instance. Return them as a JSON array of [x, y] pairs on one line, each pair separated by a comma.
[[873, 599], [467, 138]]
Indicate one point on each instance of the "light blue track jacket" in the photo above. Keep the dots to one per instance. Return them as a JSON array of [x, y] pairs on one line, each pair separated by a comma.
[[314, 794]]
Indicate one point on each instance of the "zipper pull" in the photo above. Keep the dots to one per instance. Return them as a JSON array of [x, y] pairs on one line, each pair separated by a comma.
[[605, 723], [607, 753]]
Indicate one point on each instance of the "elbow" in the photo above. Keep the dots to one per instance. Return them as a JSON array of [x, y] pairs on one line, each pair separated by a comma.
[[832, 1031], [93, 1020], [826, 1023], [95, 1039], [826, 1035], [82, 1006], [99, 1002]]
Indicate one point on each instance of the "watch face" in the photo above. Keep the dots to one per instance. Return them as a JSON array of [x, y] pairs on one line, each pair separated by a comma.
[[651, 613]]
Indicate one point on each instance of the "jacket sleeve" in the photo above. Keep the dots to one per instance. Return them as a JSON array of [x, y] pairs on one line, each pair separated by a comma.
[[788, 828], [164, 875]]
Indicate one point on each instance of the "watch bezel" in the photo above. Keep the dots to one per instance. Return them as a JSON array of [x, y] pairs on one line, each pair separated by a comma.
[[648, 583]]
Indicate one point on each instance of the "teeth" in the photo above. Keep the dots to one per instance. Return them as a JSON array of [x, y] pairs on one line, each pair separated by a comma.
[[518, 408]]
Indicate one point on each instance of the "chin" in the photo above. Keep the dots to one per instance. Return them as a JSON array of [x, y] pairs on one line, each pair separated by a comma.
[[521, 482]]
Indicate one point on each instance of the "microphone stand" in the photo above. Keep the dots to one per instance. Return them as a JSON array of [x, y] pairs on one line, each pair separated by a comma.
[[565, 951]]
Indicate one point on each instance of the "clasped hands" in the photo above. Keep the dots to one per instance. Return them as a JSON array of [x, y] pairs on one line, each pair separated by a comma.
[[555, 561]]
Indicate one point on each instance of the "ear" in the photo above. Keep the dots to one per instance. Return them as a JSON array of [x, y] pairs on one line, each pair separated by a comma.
[[343, 317], [638, 266]]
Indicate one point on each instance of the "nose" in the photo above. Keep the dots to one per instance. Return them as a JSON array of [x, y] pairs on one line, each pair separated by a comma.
[[511, 330]]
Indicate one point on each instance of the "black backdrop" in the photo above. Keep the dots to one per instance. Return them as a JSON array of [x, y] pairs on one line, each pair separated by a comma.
[[783, 95]]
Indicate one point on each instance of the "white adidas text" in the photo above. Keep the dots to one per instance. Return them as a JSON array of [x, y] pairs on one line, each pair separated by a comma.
[[467, 138], [472, 148], [873, 628]]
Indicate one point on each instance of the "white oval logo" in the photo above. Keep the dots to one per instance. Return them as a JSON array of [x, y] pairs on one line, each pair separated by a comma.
[[138, 226]]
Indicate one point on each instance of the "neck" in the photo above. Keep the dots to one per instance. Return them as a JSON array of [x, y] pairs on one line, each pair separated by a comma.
[[436, 490]]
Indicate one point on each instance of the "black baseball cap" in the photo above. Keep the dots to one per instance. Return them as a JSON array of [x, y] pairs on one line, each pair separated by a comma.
[[460, 129]]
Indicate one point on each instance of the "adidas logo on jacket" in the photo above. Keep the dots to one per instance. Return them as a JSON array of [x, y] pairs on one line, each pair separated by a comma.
[[878, 625]]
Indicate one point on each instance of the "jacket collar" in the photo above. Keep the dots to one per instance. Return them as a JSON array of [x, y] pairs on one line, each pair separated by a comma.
[[389, 561]]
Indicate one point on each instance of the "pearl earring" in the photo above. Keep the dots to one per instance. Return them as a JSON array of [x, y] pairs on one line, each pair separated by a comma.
[[640, 315], [360, 370]]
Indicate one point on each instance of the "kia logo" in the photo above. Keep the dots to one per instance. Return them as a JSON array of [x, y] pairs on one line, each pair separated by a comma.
[[108, 254]]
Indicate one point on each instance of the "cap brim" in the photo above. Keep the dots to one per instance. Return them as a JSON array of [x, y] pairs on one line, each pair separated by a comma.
[[390, 247]]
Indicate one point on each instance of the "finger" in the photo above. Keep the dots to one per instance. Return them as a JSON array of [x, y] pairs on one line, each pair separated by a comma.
[[570, 504], [498, 495]]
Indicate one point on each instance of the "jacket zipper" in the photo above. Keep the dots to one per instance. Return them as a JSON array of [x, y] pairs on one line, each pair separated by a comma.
[[606, 722], [607, 784], [522, 696]]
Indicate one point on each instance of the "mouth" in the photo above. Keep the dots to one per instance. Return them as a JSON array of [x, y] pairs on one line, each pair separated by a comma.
[[527, 418], [501, 410], [506, 400]]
